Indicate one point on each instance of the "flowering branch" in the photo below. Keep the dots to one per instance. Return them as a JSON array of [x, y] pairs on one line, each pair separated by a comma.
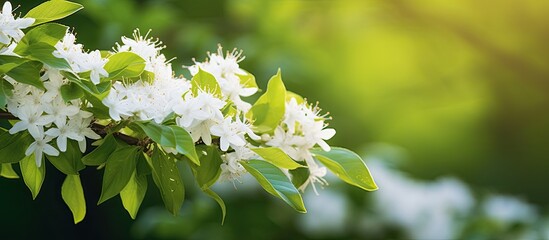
[[57, 91]]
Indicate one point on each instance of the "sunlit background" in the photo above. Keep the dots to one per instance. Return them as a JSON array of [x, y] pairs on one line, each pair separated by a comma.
[[447, 101]]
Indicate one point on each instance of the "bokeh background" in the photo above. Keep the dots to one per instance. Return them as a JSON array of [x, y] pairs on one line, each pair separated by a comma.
[[426, 91]]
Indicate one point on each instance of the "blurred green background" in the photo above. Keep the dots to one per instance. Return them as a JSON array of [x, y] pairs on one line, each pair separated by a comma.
[[461, 85]]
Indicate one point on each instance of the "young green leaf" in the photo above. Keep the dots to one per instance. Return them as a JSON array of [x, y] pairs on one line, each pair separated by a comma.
[[48, 34], [28, 73], [168, 180], [277, 157], [206, 82], [73, 195], [101, 153], [52, 10], [247, 80], [275, 182], [6, 170], [33, 176], [124, 64], [12, 147], [118, 171], [133, 193], [171, 136], [70, 161], [268, 110], [348, 166]]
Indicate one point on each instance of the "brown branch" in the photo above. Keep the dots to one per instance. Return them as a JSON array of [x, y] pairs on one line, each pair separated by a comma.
[[97, 128]]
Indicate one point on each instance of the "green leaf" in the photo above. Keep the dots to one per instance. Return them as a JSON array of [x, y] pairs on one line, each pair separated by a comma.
[[43, 52], [102, 152], [142, 167], [208, 172], [6, 170], [28, 73], [52, 10], [73, 195], [348, 166], [277, 157], [133, 193], [268, 110], [206, 82], [118, 171], [8, 63], [124, 64], [168, 180], [171, 136], [219, 201], [68, 162], [299, 176], [275, 182], [289, 95], [71, 91], [12, 147], [247, 80], [48, 34], [5, 91], [32, 174]]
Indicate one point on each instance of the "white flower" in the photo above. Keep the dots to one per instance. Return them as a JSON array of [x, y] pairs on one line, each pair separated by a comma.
[[228, 134], [40, 146], [62, 132], [114, 102], [32, 120], [10, 27], [94, 63], [202, 131], [59, 111]]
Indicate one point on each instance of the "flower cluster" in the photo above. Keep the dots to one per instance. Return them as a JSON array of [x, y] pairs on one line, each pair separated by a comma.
[[10, 28], [46, 116]]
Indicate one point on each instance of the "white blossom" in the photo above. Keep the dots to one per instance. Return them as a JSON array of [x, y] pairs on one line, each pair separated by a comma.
[[39, 147], [10, 28]]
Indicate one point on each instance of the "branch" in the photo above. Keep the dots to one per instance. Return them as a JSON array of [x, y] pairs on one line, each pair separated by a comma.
[[96, 127]]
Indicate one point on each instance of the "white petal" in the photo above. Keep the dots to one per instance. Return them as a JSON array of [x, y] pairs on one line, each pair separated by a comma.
[[30, 149], [61, 144], [224, 144], [324, 145], [82, 145], [6, 9], [38, 158], [19, 126], [48, 149]]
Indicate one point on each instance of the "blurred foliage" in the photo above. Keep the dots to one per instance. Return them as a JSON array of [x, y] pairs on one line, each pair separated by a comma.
[[462, 86]]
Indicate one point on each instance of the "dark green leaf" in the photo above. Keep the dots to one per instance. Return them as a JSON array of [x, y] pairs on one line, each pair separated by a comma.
[[102, 152], [275, 182], [208, 172], [299, 176], [68, 162], [219, 201], [118, 171], [171, 136], [52, 10], [5, 91], [73, 195], [12, 147], [348, 166], [132, 195], [168, 180], [32, 174], [143, 167]]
